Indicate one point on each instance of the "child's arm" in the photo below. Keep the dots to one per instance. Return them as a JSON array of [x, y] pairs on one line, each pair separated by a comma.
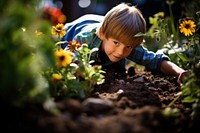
[[170, 68]]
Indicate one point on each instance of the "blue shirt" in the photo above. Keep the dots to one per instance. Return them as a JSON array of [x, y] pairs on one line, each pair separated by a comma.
[[84, 30]]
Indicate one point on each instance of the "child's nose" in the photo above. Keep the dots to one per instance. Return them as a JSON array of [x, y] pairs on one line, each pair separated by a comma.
[[121, 50]]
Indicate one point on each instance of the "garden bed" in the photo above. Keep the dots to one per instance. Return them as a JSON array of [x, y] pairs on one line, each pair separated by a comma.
[[133, 104]]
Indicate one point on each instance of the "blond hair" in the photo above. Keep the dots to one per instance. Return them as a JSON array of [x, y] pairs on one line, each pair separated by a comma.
[[122, 22]]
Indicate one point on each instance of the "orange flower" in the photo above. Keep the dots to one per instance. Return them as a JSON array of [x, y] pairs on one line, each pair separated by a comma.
[[59, 30], [74, 45], [187, 27], [63, 58]]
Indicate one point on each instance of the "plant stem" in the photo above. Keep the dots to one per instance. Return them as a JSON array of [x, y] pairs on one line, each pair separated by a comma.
[[172, 23], [175, 99]]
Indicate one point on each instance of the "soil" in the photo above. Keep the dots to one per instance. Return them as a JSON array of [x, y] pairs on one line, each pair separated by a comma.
[[123, 104]]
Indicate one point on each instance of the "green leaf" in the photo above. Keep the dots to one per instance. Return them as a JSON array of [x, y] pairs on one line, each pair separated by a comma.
[[182, 57], [188, 99], [60, 42], [140, 34]]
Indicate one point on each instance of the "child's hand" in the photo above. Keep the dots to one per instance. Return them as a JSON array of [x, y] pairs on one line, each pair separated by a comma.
[[182, 76]]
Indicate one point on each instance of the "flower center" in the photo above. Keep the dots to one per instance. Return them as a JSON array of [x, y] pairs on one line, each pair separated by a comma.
[[187, 26], [62, 58]]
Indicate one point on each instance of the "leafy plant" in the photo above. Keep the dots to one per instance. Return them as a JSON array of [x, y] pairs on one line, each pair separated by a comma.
[[73, 74], [189, 58], [191, 86], [181, 43], [21, 53], [34, 68]]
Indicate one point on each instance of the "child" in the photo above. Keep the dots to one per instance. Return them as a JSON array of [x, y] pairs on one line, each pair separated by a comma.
[[115, 36]]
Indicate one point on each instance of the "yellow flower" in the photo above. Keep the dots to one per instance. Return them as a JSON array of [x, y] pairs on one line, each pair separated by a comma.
[[59, 30], [63, 58], [187, 27], [73, 45], [57, 77]]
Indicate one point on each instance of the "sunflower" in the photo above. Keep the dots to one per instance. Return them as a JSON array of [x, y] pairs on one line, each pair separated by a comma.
[[74, 45], [63, 58], [187, 27], [59, 30]]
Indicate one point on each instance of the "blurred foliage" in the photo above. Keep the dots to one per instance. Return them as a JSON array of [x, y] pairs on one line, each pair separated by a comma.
[[29, 67], [22, 52]]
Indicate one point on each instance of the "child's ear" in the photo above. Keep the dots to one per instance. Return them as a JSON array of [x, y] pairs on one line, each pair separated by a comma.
[[101, 34]]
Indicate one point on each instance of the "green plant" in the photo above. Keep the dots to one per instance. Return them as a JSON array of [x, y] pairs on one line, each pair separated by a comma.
[[181, 44], [34, 68], [21, 53], [191, 86], [187, 53], [73, 75]]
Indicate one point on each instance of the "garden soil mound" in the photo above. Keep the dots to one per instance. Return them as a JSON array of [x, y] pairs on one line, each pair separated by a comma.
[[126, 104]]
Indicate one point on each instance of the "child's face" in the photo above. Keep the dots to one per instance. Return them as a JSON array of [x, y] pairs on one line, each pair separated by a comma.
[[115, 50]]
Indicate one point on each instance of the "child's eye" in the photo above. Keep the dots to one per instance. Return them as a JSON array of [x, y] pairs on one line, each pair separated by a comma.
[[129, 47], [116, 43]]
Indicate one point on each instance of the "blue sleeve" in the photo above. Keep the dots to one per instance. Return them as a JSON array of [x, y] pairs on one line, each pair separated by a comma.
[[149, 59], [78, 25]]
